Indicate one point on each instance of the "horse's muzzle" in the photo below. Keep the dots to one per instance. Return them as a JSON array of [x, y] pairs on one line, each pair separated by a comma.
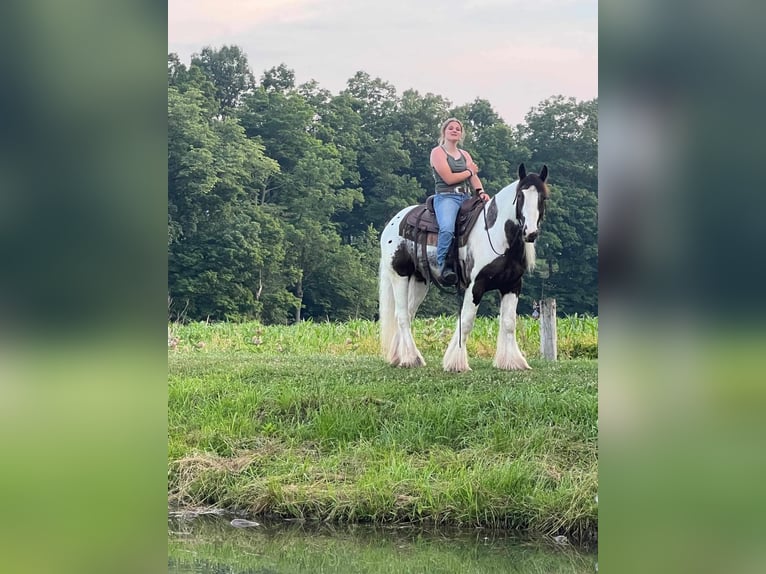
[[531, 237]]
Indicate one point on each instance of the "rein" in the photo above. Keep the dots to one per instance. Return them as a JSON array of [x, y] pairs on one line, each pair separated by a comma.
[[486, 228]]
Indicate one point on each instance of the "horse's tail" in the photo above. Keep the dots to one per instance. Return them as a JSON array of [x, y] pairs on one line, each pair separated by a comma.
[[386, 308]]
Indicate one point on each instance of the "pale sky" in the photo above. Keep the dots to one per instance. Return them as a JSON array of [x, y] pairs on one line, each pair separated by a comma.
[[513, 53]]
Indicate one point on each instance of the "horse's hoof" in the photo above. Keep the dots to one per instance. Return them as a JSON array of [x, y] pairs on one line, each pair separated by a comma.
[[456, 368], [512, 366], [414, 363]]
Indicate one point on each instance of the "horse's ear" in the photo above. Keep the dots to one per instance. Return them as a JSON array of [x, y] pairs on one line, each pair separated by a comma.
[[544, 172], [522, 171]]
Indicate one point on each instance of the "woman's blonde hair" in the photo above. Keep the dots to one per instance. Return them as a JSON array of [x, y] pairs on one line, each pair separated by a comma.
[[442, 129]]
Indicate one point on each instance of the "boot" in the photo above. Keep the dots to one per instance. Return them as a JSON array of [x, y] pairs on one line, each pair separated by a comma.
[[448, 275]]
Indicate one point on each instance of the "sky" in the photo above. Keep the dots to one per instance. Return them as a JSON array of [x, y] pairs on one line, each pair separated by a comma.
[[512, 53]]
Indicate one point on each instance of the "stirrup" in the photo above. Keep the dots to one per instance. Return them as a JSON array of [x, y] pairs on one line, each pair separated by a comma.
[[447, 275]]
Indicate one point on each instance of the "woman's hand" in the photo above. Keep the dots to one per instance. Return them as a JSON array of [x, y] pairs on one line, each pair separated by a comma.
[[472, 166]]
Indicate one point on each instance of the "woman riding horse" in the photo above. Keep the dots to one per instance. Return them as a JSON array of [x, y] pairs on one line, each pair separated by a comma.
[[497, 252], [455, 175]]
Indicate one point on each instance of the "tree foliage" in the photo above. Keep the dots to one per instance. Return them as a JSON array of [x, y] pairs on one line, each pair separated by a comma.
[[563, 134], [229, 71], [277, 193]]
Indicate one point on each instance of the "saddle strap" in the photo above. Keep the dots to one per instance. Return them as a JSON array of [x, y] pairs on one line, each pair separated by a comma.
[[421, 238]]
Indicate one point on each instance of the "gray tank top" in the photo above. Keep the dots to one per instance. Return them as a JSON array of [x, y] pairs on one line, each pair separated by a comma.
[[456, 165]]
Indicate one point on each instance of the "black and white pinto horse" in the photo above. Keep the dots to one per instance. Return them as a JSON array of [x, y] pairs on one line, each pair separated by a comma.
[[498, 251]]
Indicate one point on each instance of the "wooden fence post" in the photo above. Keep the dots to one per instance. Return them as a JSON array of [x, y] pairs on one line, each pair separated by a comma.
[[548, 329]]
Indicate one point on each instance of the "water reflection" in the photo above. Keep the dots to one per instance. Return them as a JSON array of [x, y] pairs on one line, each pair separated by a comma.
[[210, 544]]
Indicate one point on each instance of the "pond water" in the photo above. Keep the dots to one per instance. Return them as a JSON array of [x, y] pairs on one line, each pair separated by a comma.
[[210, 544]]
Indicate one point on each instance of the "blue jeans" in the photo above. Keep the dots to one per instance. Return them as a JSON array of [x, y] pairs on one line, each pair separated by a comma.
[[446, 207]]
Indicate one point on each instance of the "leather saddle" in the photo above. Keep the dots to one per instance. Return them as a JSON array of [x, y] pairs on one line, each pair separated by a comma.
[[419, 225], [420, 222]]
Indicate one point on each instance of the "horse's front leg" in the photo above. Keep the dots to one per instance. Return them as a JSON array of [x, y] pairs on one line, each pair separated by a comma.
[[508, 355], [456, 356]]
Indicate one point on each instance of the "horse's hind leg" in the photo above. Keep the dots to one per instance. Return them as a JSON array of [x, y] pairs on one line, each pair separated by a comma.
[[508, 355], [403, 351], [416, 294], [456, 355]]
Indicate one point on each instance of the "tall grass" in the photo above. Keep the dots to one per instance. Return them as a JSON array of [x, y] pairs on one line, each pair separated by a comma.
[[577, 337], [308, 422]]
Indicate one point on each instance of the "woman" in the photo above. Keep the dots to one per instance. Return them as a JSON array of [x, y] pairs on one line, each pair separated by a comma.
[[455, 176]]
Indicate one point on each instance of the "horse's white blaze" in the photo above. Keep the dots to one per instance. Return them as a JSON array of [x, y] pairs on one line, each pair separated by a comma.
[[531, 211]]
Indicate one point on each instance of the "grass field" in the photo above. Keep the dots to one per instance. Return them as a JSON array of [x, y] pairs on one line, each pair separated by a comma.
[[307, 421]]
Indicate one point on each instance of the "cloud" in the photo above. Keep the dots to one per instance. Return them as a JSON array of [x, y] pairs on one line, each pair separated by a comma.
[[569, 67], [203, 22], [513, 54]]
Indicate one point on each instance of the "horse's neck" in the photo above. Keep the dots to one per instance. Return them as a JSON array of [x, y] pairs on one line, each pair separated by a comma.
[[506, 211], [506, 206]]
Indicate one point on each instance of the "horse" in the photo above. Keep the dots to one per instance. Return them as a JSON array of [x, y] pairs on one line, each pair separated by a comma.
[[498, 250]]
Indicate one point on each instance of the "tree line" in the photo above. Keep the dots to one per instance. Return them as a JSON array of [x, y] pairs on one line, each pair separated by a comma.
[[277, 192]]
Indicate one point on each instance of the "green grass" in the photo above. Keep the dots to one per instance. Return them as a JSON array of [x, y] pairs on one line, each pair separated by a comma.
[[308, 422], [577, 337]]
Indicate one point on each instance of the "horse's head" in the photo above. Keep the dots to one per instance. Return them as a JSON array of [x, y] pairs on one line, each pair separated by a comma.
[[531, 194]]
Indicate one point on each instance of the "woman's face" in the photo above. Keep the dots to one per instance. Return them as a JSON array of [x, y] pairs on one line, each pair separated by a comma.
[[453, 131]]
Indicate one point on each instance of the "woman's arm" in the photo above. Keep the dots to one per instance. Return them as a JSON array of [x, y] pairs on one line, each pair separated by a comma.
[[475, 181], [439, 163]]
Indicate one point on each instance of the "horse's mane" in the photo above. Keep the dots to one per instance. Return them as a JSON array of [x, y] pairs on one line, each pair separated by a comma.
[[534, 179]]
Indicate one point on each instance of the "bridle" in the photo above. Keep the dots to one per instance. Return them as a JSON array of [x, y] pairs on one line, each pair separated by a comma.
[[520, 219]]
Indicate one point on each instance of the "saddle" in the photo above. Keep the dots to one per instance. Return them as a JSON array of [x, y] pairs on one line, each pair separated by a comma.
[[420, 221], [419, 225]]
